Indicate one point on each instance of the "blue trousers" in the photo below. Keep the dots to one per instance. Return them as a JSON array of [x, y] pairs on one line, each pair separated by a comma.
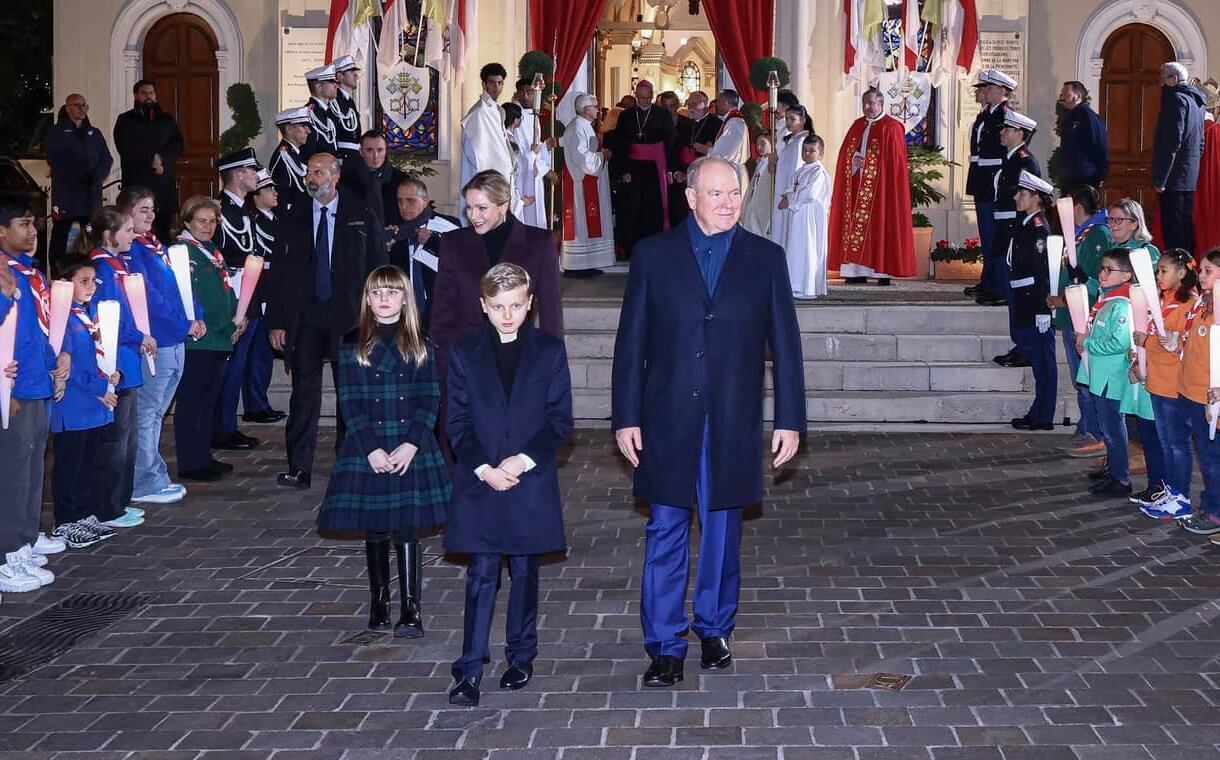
[[667, 569], [1114, 434], [1173, 431], [258, 371], [988, 229], [225, 422], [1154, 452], [1209, 457], [1087, 424], [521, 625], [1039, 348]]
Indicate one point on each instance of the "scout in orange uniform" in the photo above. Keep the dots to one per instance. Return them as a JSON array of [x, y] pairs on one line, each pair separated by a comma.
[[1197, 390]]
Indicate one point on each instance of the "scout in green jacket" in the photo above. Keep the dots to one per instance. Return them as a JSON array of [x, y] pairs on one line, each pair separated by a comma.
[[1106, 370], [1129, 229]]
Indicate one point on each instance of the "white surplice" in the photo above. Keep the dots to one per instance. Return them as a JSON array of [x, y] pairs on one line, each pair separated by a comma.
[[756, 208], [582, 157], [484, 145], [531, 168], [785, 170], [808, 227], [733, 145]]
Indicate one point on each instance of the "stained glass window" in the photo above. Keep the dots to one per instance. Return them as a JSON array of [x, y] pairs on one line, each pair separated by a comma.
[[691, 79], [410, 94], [893, 45]]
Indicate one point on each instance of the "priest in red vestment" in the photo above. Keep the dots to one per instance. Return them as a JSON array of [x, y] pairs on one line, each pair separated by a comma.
[[871, 235], [1207, 193]]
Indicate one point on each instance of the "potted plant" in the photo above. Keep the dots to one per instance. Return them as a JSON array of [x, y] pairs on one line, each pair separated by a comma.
[[951, 263], [925, 166]]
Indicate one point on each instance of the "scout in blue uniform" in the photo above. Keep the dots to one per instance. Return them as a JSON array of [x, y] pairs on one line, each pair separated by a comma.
[[322, 123], [1015, 136], [1030, 285], [235, 239], [390, 480], [510, 409], [287, 163], [986, 154]]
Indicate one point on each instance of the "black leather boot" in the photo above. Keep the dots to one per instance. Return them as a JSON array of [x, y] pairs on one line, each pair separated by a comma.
[[410, 567], [377, 551]]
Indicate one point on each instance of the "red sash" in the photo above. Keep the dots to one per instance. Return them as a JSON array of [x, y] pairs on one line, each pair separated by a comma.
[[116, 262], [95, 333], [149, 241], [655, 152], [38, 285], [592, 206]]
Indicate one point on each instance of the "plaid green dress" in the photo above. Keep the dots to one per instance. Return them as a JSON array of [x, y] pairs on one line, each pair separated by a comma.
[[389, 402]]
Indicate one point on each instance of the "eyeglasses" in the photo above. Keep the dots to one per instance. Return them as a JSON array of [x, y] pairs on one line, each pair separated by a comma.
[[1112, 270], [1114, 219]]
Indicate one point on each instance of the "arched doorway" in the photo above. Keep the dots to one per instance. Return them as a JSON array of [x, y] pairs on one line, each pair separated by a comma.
[[180, 56], [1130, 97]]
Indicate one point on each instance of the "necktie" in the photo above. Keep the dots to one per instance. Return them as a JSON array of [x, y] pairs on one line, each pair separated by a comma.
[[321, 258]]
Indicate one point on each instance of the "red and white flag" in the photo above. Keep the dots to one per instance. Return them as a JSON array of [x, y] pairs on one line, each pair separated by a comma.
[[455, 19]]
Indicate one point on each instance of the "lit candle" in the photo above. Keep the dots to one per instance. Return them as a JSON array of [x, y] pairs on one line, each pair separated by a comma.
[[1077, 297], [1139, 324], [1054, 261], [250, 273], [1067, 220], [108, 326], [180, 263], [1141, 264], [8, 342], [61, 309], [137, 298]]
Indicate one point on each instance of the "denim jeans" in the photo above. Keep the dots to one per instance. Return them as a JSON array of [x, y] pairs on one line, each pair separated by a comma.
[[1114, 433], [152, 402], [1173, 429], [1209, 457], [1087, 424], [1154, 452]]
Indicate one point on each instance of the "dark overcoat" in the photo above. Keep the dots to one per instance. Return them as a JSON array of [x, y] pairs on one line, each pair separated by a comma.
[[1177, 151], [485, 428], [390, 402], [79, 162], [683, 356], [357, 249]]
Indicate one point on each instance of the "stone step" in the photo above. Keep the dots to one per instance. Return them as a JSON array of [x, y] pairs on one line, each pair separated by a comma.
[[897, 319]]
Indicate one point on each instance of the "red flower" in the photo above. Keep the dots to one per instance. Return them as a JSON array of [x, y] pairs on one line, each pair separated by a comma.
[[943, 244]]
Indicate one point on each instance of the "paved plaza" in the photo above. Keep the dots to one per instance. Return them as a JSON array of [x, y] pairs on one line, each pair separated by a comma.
[[1037, 624]]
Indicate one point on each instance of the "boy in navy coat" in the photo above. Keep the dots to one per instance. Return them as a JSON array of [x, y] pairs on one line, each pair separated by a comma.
[[510, 409]]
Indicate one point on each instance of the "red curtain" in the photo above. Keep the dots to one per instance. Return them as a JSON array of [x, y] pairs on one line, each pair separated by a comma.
[[565, 30], [744, 32]]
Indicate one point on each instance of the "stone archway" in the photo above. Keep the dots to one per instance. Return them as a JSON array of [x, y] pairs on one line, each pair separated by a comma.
[[1169, 17], [127, 45]]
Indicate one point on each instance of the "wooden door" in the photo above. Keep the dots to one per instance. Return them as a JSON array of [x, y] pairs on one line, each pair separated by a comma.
[[180, 56], [1130, 101]]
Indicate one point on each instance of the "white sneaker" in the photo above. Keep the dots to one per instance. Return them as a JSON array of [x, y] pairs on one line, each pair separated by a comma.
[[47, 545], [25, 557], [37, 559], [171, 494], [14, 578]]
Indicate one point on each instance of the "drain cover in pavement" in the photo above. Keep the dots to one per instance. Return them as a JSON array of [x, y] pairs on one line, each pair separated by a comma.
[[876, 681], [364, 638], [34, 642]]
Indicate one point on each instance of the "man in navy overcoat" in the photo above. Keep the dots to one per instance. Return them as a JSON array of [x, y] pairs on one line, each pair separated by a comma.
[[704, 302]]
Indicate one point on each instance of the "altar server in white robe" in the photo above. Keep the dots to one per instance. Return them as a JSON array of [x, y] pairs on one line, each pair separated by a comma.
[[809, 205], [484, 141], [756, 208], [797, 126], [733, 142], [588, 222], [534, 161]]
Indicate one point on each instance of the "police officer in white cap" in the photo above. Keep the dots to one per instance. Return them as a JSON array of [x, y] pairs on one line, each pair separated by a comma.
[[1014, 136], [1030, 285], [256, 407], [343, 107], [986, 154], [287, 165], [323, 87]]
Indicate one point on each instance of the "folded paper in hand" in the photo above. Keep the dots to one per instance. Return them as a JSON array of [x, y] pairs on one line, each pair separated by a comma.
[[426, 258], [437, 224]]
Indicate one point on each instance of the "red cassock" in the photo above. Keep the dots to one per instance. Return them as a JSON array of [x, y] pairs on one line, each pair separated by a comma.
[[870, 211], [1207, 193]]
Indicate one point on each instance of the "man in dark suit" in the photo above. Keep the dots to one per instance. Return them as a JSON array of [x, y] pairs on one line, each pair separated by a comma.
[[1084, 143], [1177, 155], [330, 247], [704, 303], [149, 142], [414, 247], [80, 161]]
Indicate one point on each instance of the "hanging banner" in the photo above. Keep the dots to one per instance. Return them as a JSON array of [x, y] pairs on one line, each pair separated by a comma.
[[907, 96], [405, 91]]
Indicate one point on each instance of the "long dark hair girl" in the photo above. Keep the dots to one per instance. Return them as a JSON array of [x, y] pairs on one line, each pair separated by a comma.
[[1185, 261]]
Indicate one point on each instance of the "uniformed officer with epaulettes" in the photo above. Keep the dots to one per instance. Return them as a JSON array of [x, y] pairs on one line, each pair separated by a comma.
[[1030, 285], [986, 154], [235, 239], [323, 124], [343, 107], [264, 202], [287, 165], [1015, 135]]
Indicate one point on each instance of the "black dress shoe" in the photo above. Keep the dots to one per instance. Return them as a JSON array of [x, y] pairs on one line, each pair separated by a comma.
[[855, 280], [235, 442], [1110, 487], [1016, 361], [883, 281], [973, 290], [517, 676], [221, 467], [206, 474], [293, 479], [716, 653], [1021, 423], [464, 693], [1100, 474], [1001, 358], [663, 672], [990, 299], [264, 417]]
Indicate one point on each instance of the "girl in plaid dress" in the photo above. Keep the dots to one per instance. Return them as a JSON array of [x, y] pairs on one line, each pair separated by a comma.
[[390, 480]]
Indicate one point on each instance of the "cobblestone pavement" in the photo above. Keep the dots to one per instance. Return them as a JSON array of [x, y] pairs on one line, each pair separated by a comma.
[[1037, 623]]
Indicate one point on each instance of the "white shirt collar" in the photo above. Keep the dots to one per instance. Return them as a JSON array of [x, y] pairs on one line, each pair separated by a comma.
[[236, 199]]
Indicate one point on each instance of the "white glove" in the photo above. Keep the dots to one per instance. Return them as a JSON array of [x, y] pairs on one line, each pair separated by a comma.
[[1043, 322]]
